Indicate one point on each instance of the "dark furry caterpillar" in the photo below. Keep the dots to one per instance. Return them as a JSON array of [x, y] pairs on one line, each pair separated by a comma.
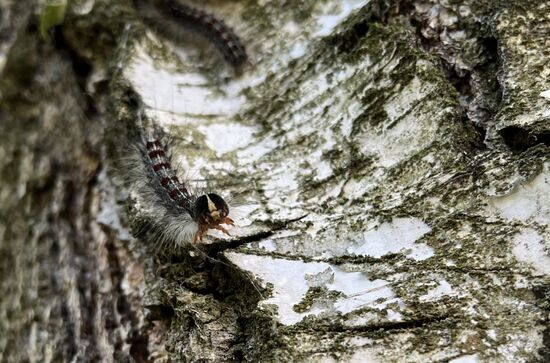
[[221, 35], [181, 214]]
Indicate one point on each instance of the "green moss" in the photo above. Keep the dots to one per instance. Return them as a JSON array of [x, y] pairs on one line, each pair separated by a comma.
[[52, 15]]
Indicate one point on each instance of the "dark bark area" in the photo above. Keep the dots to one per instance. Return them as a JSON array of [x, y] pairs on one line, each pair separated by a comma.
[[69, 286]]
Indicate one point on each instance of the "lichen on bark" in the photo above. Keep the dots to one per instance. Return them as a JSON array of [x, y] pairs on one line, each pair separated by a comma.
[[390, 159]]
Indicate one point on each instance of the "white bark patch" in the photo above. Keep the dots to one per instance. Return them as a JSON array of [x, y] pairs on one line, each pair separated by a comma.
[[398, 236], [255, 151], [224, 138], [173, 94], [470, 358], [530, 247], [291, 281], [364, 355], [529, 202], [443, 288], [545, 94]]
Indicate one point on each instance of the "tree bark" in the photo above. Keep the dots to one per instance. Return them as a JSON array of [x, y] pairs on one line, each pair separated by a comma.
[[388, 161]]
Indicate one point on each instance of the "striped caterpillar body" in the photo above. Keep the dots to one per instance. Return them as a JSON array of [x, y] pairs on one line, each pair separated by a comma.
[[181, 214], [221, 35], [162, 167]]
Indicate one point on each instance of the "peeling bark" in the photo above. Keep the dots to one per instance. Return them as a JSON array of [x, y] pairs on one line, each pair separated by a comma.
[[389, 160]]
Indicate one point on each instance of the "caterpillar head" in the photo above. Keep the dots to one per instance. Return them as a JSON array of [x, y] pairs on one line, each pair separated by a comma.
[[211, 208], [211, 211]]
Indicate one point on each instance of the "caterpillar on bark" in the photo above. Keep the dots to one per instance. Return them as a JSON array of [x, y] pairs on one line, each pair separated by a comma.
[[178, 213], [181, 214]]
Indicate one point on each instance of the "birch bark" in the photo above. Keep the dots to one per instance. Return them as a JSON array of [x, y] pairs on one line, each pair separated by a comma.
[[389, 160]]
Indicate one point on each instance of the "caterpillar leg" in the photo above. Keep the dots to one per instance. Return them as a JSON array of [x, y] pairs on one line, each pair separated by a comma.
[[202, 230], [220, 228], [198, 236], [228, 221]]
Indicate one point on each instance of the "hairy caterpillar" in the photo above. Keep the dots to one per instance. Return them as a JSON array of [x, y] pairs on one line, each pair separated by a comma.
[[180, 213], [185, 215], [221, 35]]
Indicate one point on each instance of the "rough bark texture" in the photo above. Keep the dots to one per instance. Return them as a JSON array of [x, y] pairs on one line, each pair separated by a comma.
[[390, 159]]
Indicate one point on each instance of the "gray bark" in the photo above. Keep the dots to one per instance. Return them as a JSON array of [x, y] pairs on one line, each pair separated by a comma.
[[390, 160]]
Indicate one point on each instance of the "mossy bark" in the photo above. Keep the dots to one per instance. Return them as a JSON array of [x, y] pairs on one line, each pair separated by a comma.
[[393, 155]]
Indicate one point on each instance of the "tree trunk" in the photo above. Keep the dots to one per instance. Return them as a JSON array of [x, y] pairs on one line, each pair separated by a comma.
[[388, 162]]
